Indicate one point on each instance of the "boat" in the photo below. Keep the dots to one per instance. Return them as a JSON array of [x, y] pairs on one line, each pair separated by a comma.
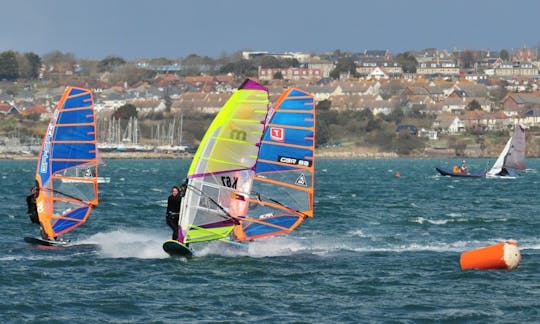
[[68, 152], [512, 158], [222, 170], [456, 172], [282, 191]]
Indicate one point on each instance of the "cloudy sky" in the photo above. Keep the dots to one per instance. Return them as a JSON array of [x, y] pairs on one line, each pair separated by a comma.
[[175, 28]]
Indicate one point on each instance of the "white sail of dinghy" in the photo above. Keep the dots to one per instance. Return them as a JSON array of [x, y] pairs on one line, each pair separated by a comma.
[[512, 158]]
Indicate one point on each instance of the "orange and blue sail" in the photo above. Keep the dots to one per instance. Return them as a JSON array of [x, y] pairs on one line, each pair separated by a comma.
[[67, 166], [222, 170], [282, 190]]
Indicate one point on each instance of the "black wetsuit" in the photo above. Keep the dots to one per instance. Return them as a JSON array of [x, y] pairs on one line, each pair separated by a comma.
[[32, 208], [173, 213]]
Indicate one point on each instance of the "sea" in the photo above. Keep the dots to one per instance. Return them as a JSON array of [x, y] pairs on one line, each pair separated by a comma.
[[380, 249]]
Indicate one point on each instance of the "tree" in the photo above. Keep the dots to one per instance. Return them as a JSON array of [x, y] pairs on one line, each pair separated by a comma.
[[29, 65], [278, 76], [268, 61], [474, 105], [504, 55], [110, 63], [125, 112], [9, 68], [61, 62], [240, 67], [24, 68], [35, 63], [324, 105], [344, 65], [396, 115], [407, 61], [322, 133], [467, 59]]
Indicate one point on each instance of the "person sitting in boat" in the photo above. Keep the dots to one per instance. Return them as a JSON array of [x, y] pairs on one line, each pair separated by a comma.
[[463, 167], [173, 208], [456, 169], [32, 206]]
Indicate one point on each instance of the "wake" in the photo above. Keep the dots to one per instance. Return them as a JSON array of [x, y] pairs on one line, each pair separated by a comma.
[[125, 243]]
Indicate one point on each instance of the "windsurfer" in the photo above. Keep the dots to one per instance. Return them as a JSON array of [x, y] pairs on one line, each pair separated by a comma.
[[173, 208], [32, 206]]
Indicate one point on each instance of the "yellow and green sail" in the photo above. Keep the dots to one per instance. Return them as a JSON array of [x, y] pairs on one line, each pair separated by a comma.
[[221, 173]]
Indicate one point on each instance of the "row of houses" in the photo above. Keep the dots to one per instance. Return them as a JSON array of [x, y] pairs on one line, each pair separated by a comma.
[[436, 97]]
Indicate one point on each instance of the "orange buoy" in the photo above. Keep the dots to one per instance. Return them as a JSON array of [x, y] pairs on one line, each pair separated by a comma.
[[398, 175], [503, 255]]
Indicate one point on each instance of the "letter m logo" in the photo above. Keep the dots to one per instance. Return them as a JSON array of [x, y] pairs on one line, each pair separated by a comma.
[[238, 135]]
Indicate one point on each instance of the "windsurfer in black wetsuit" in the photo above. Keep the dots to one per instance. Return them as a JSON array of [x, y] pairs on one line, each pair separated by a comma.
[[32, 206], [173, 208]]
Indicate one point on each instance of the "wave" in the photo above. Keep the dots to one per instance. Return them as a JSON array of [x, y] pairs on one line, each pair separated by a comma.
[[128, 243]]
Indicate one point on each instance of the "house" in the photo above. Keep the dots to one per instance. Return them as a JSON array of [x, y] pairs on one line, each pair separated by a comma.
[[515, 103], [324, 66], [531, 118], [516, 69], [437, 69], [454, 105], [474, 119], [448, 123], [497, 121], [7, 109], [290, 73], [39, 110]]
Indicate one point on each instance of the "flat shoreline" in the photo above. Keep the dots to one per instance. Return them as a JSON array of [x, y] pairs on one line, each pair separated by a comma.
[[318, 154]]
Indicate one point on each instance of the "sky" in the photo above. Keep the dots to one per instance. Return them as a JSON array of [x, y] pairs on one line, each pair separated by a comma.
[[135, 29]]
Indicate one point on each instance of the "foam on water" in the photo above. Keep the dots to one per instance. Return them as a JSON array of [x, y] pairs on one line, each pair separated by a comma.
[[126, 243]]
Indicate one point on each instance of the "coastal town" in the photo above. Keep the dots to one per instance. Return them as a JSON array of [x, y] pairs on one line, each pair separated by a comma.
[[373, 103]]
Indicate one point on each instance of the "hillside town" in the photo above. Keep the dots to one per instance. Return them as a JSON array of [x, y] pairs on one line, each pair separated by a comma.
[[440, 94]]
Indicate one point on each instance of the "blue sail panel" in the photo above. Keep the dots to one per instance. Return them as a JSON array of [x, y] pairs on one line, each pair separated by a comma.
[[303, 137], [70, 151], [76, 116], [63, 224], [296, 103], [78, 101], [293, 119], [289, 155], [256, 229], [75, 133]]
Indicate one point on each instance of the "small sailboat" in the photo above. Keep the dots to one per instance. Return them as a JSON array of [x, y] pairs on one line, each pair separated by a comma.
[[512, 158], [68, 152], [221, 173], [282, 193]]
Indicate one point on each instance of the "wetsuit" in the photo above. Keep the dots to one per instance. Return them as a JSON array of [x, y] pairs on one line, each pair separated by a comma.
[[173, 213], [32, 208]]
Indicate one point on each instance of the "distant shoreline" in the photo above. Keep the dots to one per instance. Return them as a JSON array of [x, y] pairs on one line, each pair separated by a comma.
[[323, 154]]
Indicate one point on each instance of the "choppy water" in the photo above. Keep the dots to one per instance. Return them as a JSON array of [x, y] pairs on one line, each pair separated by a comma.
[[380, 249]]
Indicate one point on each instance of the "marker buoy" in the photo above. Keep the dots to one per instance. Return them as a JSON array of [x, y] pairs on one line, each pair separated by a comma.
[[398, 175], [503, 255]]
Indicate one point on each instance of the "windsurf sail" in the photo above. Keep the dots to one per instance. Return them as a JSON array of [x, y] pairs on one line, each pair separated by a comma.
[[512, 157], [68, 152], [282, 191], [222, 170]]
